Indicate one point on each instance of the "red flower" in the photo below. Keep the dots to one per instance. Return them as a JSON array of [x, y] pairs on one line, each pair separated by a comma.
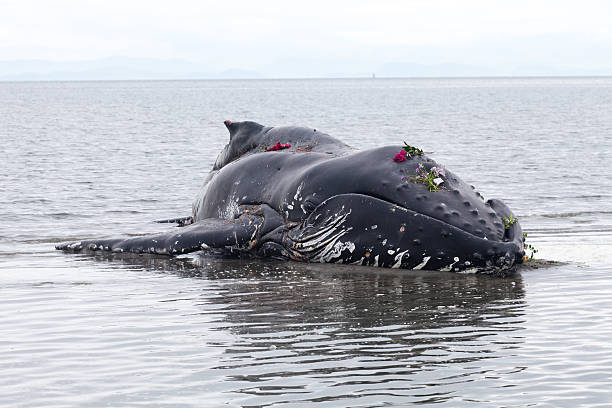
[[400, 157], [278, 146]]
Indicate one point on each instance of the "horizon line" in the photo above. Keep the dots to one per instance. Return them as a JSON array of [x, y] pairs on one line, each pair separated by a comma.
[[312, 78]]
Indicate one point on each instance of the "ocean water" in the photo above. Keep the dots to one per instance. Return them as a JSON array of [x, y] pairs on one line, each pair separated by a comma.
[[91, 159]]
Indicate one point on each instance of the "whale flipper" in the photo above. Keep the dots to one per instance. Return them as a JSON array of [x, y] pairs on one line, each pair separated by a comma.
[[341, 229], [180, 222], [238, 233]]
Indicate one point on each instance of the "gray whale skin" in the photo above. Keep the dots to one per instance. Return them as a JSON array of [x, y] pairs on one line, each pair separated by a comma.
[[322, 201]]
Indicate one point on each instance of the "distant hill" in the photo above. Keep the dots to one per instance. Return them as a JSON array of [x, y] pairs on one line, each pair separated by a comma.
[[113, 68], [127, 68]]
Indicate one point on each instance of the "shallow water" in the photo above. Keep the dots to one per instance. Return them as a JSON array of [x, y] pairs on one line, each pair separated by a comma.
[[86, 159]]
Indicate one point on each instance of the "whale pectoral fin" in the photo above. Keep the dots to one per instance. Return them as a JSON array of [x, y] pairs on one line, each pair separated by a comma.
[[365, 230], [180, 222], [210, 232]]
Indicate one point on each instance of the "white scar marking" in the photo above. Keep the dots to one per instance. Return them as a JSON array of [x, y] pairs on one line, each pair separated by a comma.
[[299, 190], [422, 264], [450, 267], [325, 253], [398, 259], [254, 232], [376, 260], [313, 240], [337, 249], [230, 210]]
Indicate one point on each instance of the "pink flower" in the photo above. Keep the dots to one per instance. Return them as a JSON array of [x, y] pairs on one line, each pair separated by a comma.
[[400, 157]]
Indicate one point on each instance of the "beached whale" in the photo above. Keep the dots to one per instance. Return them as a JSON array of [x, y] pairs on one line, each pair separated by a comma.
[[297, 193]]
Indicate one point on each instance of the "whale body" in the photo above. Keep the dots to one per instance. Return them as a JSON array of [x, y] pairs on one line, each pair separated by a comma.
[[297, 193]]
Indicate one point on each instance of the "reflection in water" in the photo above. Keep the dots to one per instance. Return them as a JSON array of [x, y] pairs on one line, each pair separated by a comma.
[[310, 332]]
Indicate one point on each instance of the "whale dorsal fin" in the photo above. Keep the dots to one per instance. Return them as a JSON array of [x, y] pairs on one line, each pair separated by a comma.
[[247, 128], [232, 127]]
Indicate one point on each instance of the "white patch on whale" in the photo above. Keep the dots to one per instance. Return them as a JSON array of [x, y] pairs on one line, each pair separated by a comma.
[[337, 249], [298, 192], [450, 267], [398, 259], [230, 210], [422, 264], [316, 241], [324, 255], [328, 239]]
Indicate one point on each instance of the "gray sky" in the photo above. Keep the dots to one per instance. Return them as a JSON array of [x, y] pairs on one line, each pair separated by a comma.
[[311, 38]]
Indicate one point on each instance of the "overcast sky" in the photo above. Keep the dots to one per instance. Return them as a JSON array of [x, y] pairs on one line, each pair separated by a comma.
[[322, 36]]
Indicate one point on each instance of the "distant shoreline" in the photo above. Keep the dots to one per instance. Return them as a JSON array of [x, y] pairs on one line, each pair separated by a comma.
[[378, 78]]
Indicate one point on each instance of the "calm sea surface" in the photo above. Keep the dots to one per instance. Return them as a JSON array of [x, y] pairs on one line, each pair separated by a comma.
[[90, 159]]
